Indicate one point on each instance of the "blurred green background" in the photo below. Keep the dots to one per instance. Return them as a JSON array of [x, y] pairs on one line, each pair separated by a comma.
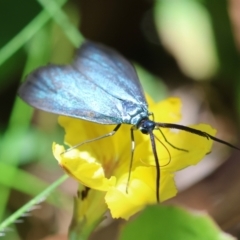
[[185, 48]]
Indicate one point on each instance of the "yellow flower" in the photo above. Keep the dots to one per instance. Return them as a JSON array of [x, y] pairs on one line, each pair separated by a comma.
[[104, 164]]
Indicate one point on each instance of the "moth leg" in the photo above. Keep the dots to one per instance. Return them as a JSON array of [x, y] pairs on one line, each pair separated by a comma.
[[165, 139], [131, 159], [94, 139]]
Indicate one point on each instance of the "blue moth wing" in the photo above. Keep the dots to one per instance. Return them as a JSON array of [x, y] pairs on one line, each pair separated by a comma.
[[63, 91], [110, 71], [76, 92]]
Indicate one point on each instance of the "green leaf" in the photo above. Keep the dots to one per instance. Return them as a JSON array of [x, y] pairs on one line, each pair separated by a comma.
[[171, 223]]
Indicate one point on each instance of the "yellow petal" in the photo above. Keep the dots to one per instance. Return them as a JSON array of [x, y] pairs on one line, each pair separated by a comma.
[[83, 167], [168, 110], [141, 192], [107, 149], [197, 147]]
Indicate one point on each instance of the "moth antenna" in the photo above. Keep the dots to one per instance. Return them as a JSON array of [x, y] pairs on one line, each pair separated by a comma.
[[196, 132]]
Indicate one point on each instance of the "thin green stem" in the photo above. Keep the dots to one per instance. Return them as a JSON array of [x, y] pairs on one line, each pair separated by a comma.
[[62, 19]]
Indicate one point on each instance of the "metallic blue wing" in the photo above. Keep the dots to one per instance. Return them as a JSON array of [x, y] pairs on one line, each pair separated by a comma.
[[110, 71], [72, 91]]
